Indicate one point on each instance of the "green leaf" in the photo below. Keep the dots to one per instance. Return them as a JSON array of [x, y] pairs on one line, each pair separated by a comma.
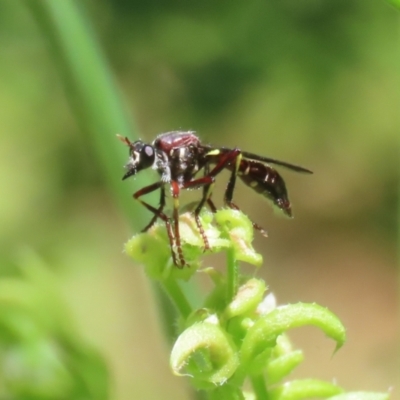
[[304, 389], [35, 370], [43, 356], [262, 336]]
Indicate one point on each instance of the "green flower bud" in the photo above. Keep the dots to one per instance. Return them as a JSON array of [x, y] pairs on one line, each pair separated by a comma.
[[239, 229], [304, 389], [153, 248]]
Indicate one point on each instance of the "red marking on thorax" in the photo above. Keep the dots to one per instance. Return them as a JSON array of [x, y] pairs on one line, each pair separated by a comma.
[[170, 141]]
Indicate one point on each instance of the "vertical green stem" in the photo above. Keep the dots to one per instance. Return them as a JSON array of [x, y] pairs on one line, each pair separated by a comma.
[[259, 387], [395, 3], [174, 291], [92, 94], [232, 275], [97, 104]]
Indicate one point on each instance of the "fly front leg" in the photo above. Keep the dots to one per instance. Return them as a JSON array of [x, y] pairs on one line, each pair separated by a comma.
[[175, 196], [158, 213], [159, 210], [208, 184]]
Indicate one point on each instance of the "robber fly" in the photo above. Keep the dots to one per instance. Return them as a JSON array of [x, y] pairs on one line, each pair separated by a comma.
[[178, 157]]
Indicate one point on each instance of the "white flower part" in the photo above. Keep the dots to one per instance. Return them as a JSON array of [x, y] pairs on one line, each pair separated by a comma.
[[267, 305], [212, 319]]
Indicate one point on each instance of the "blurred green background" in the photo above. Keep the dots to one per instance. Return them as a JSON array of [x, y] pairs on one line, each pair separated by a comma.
[[307, 81]]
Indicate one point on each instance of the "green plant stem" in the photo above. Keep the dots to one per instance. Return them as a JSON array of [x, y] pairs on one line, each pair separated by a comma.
[[259, 387], [92, 94], [232, 275], [174, 291], [394, 3], [96, 102]]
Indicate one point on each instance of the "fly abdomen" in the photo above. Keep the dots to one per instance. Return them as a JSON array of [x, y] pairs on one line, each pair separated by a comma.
[[265, 180]]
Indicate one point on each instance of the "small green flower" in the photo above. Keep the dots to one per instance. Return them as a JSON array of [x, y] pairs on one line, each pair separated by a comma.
[[237, 333], [226, 229], [206, 353]]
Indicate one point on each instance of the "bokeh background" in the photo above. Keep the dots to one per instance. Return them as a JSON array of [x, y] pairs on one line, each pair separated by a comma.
[[307, 81]]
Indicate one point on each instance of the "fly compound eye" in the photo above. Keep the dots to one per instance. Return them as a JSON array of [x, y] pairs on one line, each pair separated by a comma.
[[148, 151], [147, 156]]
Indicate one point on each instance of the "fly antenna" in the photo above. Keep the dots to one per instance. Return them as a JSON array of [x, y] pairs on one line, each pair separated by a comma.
[[124, 140]]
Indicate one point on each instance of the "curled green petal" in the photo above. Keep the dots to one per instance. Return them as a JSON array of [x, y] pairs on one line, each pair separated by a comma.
[[283, 346], [282, 366], [262, 336], [304, 389], [246, 299], [205, 352], [361, 396], [239, 229]]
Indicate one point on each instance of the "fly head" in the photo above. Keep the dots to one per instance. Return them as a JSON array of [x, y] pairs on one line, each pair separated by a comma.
[[141, 156]]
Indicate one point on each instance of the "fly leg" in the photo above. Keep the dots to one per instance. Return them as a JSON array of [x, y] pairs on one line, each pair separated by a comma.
[[157, 213], [207, 182], [229, 193], [159, 210], [207, 191], [175, 195]]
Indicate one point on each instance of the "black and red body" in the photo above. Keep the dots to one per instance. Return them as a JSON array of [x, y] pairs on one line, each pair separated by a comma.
[[183, 162]]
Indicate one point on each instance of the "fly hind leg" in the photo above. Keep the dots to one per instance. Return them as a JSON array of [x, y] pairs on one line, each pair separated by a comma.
[[206, 198], [207, 191], [207, 182], [229, 193]]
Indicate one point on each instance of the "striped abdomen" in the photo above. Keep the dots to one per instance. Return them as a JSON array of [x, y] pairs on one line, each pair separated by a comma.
[[266, 181]]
